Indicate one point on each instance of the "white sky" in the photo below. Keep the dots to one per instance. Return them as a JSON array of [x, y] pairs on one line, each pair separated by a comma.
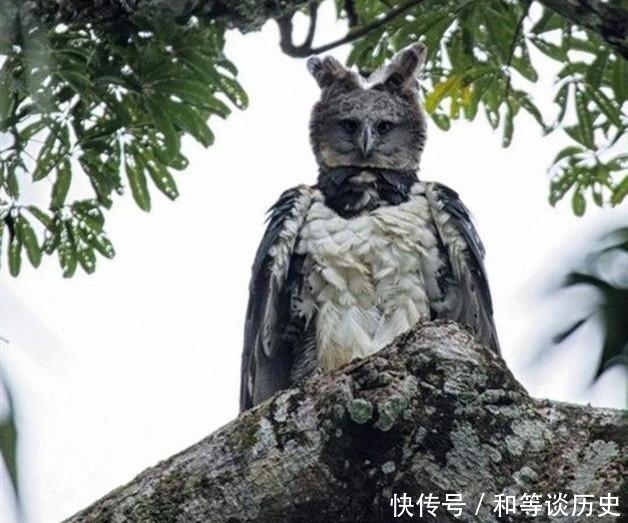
[[115, 371]]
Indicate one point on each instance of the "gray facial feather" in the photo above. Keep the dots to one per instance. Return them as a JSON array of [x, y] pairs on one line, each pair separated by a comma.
[[331, 75], [402, 71], [378, 125]]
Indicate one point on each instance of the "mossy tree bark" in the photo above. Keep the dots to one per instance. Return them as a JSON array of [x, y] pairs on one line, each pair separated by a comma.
[[433, 413]]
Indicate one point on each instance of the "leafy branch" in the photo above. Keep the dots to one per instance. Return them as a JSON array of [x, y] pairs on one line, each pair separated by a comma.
[[97, 110]]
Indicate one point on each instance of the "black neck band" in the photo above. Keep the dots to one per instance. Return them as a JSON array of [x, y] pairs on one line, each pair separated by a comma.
[[346, 195]]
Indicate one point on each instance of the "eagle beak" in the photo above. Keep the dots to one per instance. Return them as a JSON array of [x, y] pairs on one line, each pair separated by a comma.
[[366, 141]]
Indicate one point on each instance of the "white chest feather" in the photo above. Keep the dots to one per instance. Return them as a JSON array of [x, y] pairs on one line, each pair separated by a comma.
[[371, 275]]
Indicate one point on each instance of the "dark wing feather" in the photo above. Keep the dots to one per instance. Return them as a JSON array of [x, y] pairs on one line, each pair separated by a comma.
[[265, 363], [465, 252]]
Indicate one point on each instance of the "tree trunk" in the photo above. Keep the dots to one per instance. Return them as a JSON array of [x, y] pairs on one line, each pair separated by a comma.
[[433, 413]]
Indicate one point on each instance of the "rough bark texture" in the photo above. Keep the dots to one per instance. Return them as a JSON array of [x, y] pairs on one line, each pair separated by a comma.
[[433, 413], [607, 19]]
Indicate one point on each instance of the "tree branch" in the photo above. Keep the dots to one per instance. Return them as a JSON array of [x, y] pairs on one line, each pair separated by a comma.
[[285, 32], [353, 19], [609, 20], [433, 413]]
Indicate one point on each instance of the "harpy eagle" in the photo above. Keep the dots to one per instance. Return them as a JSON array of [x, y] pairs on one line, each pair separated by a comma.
[[349, 263]]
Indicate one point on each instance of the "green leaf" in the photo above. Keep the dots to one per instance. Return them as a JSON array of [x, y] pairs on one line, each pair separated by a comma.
[[163, 123], [567, 151], [523, 99], [47, 158], [126, 109], [620, 79], [189, 119], [193, 92], [6, 102], [441, 120], [104, 177], [29, 240], [456, 52], [78, 81], [84, 250], [178, 161], [228, 66], [573, 71], [87, 259], [596, 193], [561, 185], [611, 300], [27, 132], [596, 69], [492, 116], [551, 50], [216, 106], [196, 126], [231, 88], [494, 94], [606, 105], [67, 250], [561, 98], [575, 132], [101, 243], [15, 254], [88, 211], [508, 127], [52, 240], [524, 65], [62, 185], [584, 44], [578, 203], [104, 128], [137, 182], [431, 24], [620, 192], [11, 183], [499, 33], [549, 21], [163, 180], [585, 123], [472, 95], [9, 437], [205, 67]]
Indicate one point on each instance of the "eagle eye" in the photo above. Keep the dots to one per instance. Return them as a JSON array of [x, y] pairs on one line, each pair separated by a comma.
[[384, 127], [348, 125]]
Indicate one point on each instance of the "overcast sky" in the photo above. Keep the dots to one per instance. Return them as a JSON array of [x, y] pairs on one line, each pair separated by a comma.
[[116, 371]]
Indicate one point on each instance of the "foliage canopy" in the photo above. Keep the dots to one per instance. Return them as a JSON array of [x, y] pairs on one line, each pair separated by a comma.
[[85, 103]]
